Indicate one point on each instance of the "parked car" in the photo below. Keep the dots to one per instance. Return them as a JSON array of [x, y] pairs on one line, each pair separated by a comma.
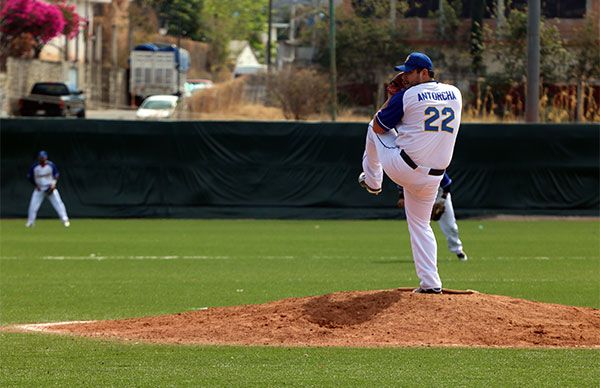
[[157, 107], [52, 99], [193, 85]]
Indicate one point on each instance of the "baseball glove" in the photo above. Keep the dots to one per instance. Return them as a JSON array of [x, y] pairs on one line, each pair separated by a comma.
[[50, 189], [437, 211]]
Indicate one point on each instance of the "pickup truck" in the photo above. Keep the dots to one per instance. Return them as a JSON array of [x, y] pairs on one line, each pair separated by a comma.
[[52, 99]]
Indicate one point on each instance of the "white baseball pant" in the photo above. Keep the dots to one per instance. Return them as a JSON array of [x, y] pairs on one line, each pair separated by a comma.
[[420, 190], [37, 197], [450, 227]]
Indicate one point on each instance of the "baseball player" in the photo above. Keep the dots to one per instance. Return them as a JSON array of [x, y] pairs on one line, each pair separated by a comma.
[[411, 138], [443, 211], [43, 174]]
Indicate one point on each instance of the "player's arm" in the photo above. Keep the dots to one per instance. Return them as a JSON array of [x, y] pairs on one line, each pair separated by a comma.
[[55, 175], [400, 203], [378, 128], [31, 176], [390, 114], [445, 184]]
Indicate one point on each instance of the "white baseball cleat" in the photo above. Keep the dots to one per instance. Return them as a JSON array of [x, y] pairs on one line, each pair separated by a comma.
[[462, 256], [29, 224], [66, 223], [363, 184]]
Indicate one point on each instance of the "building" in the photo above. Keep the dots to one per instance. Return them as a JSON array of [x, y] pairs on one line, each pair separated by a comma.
[[243, 59]]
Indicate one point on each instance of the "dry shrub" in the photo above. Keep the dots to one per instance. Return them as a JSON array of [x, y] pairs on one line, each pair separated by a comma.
[[563, 106], [220, 98], [244, 112], [555, 106], [300, 92], [592, 111]]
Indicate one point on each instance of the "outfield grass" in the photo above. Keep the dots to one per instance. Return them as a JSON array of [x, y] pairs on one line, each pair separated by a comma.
[[104, 269]]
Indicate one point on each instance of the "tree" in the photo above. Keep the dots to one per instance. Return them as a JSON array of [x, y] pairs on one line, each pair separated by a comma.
[[72, 19], [41, 20], [143, 19], [586, 50], [477, 36], [366, 49], [27, 25], [448, 20], [180, 15], [512, 46], [300, 92], [227, 20]]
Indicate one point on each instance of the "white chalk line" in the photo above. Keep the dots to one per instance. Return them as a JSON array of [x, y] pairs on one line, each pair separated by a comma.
[[208, 257], [291, 257], [166, 257], [541, 258], [43, 327]]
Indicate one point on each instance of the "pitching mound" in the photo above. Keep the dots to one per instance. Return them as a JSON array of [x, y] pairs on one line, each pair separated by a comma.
[[367, 318]]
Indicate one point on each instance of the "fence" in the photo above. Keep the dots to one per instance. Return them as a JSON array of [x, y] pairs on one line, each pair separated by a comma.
[[286, 169]]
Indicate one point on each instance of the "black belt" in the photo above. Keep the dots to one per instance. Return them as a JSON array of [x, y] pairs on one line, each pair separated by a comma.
[[413, 165]]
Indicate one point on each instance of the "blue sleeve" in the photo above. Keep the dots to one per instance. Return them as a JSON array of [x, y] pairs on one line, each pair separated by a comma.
[[400, 191], [391, 115], [30, 174], [55, 172], [446, 182]]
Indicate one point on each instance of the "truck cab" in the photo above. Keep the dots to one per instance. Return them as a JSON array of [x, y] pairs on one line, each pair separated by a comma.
[[157, 69]]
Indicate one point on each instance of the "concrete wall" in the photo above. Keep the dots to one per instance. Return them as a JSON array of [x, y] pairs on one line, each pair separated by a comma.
[[21, 74], [103, 87]]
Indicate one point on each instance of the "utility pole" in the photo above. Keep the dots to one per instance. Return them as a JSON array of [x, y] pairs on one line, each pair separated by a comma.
[[332, 64], [269, 37], [113, 98], [442, 18], [500, 18], [532, 114], [114, 48], [393, 13], [178, 59], [86, 36]]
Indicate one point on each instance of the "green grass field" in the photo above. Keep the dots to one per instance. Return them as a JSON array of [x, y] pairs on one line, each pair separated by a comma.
[[105, 269]]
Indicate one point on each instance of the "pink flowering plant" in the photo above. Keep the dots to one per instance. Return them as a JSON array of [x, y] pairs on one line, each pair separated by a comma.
[[72, 19], [34, 21]]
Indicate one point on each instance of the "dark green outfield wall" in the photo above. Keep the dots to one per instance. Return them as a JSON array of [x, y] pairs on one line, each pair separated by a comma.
[[285, 170]]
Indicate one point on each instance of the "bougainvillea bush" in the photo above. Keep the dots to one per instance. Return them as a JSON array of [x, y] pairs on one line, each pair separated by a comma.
[[29, 24], [72, 19]]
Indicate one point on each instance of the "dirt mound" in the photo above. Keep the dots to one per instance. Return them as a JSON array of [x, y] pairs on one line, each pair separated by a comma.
[[366, 318]]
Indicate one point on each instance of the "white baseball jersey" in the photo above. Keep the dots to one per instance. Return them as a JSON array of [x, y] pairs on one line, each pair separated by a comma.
[[427, 118], [43, 176]]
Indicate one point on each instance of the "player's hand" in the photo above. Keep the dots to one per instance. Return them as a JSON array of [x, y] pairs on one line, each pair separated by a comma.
[[395, 85], [377, 128], [437, 210], [400, 203]]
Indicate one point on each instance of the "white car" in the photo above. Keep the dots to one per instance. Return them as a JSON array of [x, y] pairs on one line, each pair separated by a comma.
[[157, 107], [193, 85]]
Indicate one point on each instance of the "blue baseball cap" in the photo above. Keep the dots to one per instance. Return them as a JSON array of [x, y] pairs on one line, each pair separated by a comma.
[[415, 61], [43, 154]]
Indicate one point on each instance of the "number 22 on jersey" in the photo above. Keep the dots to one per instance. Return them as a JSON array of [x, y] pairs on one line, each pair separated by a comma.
[[432, 121]]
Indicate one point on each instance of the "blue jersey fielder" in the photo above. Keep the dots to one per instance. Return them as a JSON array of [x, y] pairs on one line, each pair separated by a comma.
[[44, 174]]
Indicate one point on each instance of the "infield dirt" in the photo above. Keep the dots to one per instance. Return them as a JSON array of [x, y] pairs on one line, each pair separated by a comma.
[[390, 318]]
